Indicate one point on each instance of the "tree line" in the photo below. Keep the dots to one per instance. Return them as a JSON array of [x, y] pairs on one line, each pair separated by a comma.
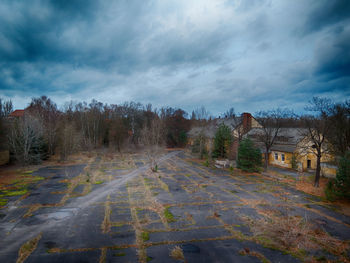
[[45, 130]]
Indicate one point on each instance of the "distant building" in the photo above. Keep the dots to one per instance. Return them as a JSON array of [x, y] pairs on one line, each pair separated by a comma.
[[292, 146], [239, 126], [16, 114]]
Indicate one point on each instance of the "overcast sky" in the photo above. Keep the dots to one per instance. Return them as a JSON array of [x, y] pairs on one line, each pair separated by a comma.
[[246, 54]]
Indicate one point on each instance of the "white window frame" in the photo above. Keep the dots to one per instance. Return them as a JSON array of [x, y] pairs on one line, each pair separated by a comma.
[[276, 156], [283, 157]]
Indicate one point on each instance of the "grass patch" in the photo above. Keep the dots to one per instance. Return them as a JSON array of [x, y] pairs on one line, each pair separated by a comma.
[[15, 192], [188, 175], [147, 181], [99, 182], [120, 254], [3, 202], [118, 224], [145, 236], [37, 178], [168, 215]]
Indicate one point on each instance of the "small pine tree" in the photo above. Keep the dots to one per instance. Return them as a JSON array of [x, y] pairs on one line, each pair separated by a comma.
[[249, 157], [222, 141]]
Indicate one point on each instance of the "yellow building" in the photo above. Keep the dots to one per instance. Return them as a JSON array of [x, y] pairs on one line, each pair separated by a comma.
[[293, 150]]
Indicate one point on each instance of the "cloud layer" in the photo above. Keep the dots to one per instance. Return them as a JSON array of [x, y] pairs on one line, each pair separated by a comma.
[[251, 55]]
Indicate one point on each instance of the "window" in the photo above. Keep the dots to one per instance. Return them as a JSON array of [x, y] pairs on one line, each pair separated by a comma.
[[282, 157], [276, 156]]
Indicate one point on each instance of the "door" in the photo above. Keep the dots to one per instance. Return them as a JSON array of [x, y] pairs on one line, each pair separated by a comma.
[[308, 164]]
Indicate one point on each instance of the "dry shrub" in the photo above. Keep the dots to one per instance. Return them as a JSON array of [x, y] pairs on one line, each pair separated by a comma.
[[246, 251], [177, 253], [295, 234]]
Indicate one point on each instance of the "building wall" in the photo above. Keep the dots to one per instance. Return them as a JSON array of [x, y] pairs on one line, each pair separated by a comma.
[[255, 123], [287, 163], [304, 160]]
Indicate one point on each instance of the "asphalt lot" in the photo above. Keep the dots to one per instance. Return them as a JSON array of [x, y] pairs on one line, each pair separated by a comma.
[[119, 211]]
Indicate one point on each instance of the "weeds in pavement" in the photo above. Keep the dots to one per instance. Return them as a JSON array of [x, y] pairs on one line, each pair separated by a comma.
[[295, 234], [27, 248], [168, 215], [177, 253]]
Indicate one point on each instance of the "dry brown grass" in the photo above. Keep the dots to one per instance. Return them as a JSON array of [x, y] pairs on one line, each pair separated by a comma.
[[176, 253], [306, 185], [106, 224], [103, 255], [344, 206], [27, 249], [247, 251], [295, 234]]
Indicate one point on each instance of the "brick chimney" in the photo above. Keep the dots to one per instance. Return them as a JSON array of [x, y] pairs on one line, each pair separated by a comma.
[[246, 121]]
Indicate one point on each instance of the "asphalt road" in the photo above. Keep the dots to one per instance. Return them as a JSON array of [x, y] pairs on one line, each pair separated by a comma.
[[140, 216]]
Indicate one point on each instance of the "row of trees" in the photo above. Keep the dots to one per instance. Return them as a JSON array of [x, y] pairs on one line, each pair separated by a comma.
[[45, 130]]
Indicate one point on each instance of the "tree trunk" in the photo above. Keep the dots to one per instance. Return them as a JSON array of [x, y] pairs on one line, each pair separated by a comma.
[[318, 171], [266, 160]]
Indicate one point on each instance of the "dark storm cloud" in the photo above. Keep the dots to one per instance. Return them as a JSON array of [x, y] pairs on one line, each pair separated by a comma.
[[179, 53], [324, 13], [333, 56], [32, 31]]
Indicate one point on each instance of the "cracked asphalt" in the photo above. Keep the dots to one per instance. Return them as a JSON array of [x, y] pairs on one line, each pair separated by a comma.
[[119, 211]]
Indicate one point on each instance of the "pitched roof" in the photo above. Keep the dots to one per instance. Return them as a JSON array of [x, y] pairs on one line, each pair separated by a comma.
[[17, 113], [210, 129], [286, 141]]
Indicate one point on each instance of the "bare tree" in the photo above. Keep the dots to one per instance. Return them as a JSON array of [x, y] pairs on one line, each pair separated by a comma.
[[5, 110], [118, 132], [152, 138], [271, 122], [69, 140], [339, 123], [201, 113], [45, 110], [230, 113], [317, 130], [25, 139]]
